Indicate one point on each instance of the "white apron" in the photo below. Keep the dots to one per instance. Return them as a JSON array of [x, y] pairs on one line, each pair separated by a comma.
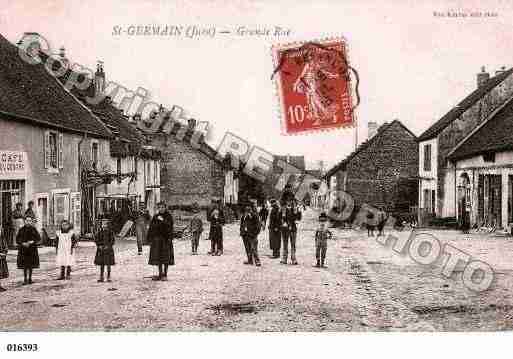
[[64, 255]]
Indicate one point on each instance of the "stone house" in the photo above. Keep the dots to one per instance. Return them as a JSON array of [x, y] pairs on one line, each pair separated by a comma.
[[437, 175], [192, 175], [296, 173], [47, 134], [381, 172], [483, 163]]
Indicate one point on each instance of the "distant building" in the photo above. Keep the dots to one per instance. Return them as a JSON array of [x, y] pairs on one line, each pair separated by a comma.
[[192, 175], [279, 176], [438, 177], [381, 172]]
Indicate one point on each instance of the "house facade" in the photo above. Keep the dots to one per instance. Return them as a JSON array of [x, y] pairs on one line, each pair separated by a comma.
[[483, 163], [47, 136], [132, 171], [381, 172], [437, 175]]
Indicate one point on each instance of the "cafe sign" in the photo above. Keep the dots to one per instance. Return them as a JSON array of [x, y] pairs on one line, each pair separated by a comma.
[[13, 165]]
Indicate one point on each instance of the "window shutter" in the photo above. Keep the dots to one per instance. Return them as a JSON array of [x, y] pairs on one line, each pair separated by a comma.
[[61, 149], [47, 149]]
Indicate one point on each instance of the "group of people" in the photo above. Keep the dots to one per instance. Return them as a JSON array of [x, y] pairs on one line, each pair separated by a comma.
[[281, 222]]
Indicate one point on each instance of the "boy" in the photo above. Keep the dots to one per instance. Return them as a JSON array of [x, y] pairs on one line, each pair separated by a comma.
[[321, 241], [196, 228]]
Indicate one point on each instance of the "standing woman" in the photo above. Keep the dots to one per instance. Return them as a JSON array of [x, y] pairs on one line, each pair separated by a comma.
[[142, 221], [28, 257], [275, 223], [160, 236], [4, 271], [64, 246]]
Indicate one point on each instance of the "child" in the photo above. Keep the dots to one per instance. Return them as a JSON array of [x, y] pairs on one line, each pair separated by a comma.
[[28, 257], [321, 241], [4, 271], [105, 251], [196, 228], [64, 246]]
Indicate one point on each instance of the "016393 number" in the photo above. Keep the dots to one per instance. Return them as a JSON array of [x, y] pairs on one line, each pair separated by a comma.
[[22, 347]]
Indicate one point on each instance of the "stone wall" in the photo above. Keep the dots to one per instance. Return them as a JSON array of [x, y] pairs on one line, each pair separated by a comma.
[[187, 174], [375, 173]]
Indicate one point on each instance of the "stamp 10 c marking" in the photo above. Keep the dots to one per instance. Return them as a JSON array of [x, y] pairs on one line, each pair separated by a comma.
[[314, 86]]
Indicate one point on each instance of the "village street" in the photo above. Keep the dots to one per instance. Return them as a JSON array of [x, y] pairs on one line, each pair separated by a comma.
[[365, 287]]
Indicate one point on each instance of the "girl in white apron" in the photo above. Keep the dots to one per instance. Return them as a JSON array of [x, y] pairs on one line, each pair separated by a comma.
[[65, 245]]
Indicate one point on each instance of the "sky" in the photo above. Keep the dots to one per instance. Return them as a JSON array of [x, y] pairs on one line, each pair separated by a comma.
[[413, 64]]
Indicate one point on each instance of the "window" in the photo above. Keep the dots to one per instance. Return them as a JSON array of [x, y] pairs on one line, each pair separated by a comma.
[[118, 166], [427, 157], [53, 150], [489, 157], [155, 172], [94, 154], [135, 167]]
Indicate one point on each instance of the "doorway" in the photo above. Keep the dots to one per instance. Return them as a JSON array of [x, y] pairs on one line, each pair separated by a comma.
[[11, 192]]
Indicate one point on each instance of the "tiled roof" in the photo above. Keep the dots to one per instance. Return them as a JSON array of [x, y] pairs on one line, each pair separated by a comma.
[[464, 105], [496, 134], [29, 93], [364, 145], [128, 140]]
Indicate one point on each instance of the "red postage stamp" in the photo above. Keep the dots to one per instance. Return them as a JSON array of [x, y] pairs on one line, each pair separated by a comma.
[[314, 85]]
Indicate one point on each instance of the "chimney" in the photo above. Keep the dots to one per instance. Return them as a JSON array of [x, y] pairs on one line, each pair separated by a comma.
[[500, 71], [372, 129], [192, 123], [482, 77], [62, 52], [99, 78]]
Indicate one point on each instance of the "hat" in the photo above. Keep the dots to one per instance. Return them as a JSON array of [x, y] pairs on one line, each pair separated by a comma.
[[323, 217]]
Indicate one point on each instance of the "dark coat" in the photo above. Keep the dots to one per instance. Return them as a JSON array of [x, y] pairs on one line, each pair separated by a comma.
[[160, 236], [275, 220], [264, 213], [28, 257], [216, 225], [4, 271], [250, 225], [104, 248], [289, 219]]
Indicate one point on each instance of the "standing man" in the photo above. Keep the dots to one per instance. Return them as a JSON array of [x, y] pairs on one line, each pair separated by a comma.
[[249, 229], [382, 218], [160, 236], [196, 228], [216, 218], [142, 220], [275, 228], [290, 214]]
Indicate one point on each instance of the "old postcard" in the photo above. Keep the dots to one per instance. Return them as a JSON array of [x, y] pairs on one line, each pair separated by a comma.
[[254, 166]]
